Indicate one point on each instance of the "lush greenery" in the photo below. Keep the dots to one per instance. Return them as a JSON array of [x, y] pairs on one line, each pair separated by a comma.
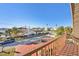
[[15, 31], [68, 30], [60, 30], [12, 32]]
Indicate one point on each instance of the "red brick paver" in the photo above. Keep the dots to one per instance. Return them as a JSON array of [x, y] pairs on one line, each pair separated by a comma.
[[70, 50]]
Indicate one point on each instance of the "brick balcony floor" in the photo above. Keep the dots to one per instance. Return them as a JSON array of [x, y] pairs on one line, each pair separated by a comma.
[[70, 50]]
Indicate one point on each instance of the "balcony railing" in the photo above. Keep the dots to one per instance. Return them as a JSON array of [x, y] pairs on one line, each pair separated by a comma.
[[52, 47]]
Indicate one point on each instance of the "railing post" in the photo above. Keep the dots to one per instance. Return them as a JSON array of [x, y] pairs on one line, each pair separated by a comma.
[[42, 52], [37, 53], [51, 48], [54, 48]]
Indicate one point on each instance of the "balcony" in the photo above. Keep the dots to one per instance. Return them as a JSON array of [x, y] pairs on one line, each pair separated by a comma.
[[55, 47]]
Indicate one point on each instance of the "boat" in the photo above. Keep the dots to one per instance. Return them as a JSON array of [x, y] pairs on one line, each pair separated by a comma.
[[7, 41]]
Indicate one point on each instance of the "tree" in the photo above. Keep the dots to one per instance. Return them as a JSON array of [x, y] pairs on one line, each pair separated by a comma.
[[68, 30], [59, 30], [13, 32], [1, 33], [8, 32]]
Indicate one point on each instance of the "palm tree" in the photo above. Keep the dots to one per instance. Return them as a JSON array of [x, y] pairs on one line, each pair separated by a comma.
[[8, 32], [12, 32], [15, 31]]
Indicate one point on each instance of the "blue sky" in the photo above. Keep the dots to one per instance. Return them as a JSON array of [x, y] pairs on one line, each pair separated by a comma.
[[35, 15]]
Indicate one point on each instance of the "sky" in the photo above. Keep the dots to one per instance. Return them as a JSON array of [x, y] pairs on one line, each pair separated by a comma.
[[34, 14]]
